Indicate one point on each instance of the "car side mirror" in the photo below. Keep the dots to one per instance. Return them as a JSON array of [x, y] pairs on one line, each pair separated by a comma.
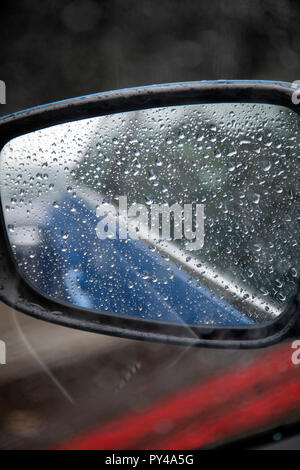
[[166, 213]]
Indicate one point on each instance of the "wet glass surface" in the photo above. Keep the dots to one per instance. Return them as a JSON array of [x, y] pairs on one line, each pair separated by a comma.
[[82, 200]]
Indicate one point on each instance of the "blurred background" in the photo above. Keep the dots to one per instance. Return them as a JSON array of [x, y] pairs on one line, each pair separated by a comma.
[[59, 49], [59, 383]]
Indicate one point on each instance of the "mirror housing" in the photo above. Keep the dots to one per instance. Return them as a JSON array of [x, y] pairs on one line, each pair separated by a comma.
[[19, 293]]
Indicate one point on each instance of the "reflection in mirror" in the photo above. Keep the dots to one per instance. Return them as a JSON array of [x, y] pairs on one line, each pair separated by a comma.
[[183, 214]]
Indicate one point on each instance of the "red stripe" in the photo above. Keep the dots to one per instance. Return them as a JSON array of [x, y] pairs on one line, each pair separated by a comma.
[[254, 413], [207, 412]]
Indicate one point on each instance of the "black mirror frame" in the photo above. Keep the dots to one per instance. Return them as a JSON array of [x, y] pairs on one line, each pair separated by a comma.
[[18, 293]]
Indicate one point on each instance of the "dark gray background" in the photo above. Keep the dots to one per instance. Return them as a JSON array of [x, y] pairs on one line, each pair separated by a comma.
[[56, 49]]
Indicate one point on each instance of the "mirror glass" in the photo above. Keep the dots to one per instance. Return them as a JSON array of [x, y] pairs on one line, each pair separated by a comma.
[[185, 214]]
